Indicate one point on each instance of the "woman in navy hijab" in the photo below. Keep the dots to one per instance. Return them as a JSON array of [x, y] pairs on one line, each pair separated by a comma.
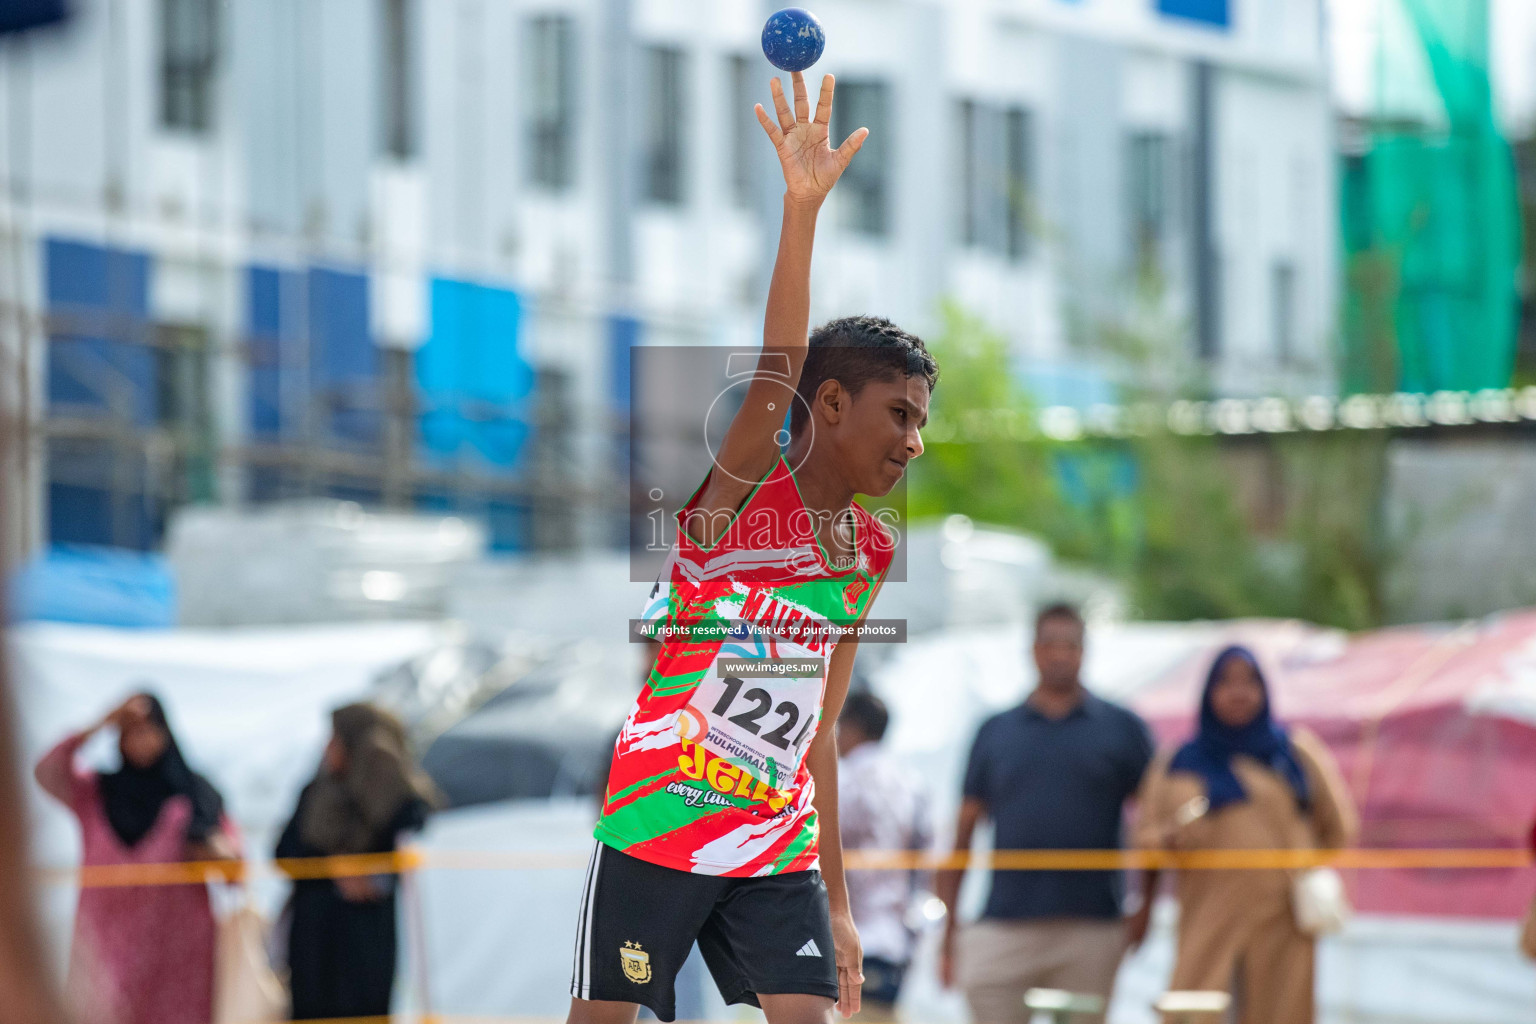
[[1235, 718], [1244, 781]]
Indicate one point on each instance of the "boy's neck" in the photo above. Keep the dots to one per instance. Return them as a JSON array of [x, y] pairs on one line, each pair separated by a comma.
[[821, 486]]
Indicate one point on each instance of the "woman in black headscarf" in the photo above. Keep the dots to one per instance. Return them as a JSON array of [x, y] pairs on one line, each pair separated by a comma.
[[341, 943], [141, 954]]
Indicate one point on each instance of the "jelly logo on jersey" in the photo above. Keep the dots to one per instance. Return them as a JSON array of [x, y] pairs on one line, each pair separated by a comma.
[[636, 963], [728, 779]]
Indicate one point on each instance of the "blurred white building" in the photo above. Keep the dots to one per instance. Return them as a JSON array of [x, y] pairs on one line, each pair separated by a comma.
[[396, 250]]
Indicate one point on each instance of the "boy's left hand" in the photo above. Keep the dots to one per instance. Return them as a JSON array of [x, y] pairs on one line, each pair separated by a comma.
[[811, 166], [849, 955]]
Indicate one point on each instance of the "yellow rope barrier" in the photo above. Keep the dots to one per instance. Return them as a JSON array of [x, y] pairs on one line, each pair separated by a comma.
[[416, 859], [196, 872], [446, 1018]]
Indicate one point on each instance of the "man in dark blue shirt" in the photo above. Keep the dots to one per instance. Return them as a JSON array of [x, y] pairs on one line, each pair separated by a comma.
[[1052, 774]]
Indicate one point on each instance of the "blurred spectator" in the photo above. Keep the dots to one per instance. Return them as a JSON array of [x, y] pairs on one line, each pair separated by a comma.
[[341, 943], [30, 997], [879, 809], [1243, 782], [1528, 928], [1053, 773], [141, 954], [30, 994]]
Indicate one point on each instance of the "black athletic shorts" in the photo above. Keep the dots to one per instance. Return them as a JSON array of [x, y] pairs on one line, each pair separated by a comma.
[[767, 935]]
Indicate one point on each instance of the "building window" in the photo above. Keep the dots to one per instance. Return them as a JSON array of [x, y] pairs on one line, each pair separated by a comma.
[[552, 101], [1147, 187], [663, 68], [186, 411], [1016, 127], [741, 128], [189, 47], [1283, 309], [397, 91], [1355, 187], [864, 187], [965, 172], [993, 173]]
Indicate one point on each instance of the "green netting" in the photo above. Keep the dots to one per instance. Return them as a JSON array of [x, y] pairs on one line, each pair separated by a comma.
[[1431, 216]]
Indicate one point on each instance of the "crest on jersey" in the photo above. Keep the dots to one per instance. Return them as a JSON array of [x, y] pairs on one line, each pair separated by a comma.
[[852, 592]]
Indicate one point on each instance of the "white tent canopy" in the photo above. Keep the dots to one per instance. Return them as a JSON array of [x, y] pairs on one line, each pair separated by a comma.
[[250, 708]]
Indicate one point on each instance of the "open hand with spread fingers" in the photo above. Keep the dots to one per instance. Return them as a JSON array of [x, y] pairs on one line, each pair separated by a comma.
[[811, 166]]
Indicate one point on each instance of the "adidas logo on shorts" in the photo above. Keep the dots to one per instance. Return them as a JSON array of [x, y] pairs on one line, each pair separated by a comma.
[[809, 949]]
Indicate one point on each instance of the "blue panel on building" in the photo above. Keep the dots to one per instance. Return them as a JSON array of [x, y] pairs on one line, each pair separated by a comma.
[[79, 515], [473, 380], [264, 288], [96, 277], [101, 357], [1211, 12], [82, 506], [344, 362], [102, 364], [623, 335], [334, 367], [266, 401], [271, 348], [344, 352]]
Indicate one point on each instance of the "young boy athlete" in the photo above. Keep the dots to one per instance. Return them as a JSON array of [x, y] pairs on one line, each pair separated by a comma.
[[720, 822]]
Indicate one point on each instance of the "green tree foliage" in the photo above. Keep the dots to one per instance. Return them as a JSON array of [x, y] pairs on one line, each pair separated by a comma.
[[1198, 559], [1185, 522], [982, 457], [1333, 522]]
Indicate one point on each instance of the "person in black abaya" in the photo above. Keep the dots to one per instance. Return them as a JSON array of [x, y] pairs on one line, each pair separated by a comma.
[[342, 938]]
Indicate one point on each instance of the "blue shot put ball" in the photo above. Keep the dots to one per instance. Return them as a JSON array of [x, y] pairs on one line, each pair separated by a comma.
[[793, 39]]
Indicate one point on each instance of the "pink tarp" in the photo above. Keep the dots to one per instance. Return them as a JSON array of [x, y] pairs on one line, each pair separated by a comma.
[[1435, 731]]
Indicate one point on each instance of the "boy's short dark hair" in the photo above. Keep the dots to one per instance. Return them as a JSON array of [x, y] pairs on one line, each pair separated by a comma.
[[855, 350], [1059, 610], [868, 712]]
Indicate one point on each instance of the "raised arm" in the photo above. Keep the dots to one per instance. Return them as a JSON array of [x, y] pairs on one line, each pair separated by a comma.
[[811, 167], [56, 773]]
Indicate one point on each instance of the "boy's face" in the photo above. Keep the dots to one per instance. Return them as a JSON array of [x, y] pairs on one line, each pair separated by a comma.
[[875, 432]]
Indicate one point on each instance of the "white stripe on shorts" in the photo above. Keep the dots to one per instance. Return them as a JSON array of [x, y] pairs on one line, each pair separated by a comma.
[[581, 967]]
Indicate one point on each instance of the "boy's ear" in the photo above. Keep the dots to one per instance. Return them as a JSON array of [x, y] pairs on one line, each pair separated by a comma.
[[832, 400]]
